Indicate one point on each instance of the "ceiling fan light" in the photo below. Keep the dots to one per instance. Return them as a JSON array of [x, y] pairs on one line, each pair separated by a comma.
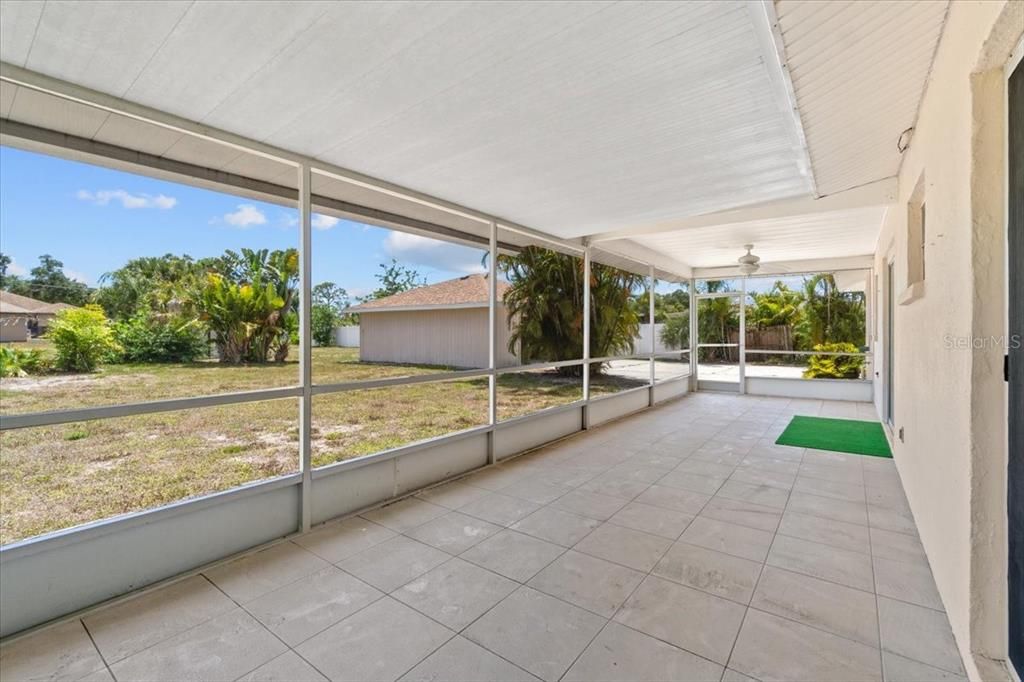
[[748, 268]]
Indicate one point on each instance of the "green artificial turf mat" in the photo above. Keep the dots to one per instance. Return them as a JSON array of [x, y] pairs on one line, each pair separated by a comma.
[[840, 435]]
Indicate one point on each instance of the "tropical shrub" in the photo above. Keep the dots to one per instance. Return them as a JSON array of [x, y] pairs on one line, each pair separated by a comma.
[[834, 366], [248, 301], [83, 338], [238, 315], [16, 362], [323, 320], [676, 332], [147, 337]]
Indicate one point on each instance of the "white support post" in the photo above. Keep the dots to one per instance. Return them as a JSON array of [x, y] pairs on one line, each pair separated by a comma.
[[743, 336], [694, 318], [305, 346], [870, 291], [586, 337], [492, 339], [654, 341]]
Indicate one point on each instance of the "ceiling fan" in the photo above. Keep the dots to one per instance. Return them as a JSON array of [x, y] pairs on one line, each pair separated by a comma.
[[749, 263]]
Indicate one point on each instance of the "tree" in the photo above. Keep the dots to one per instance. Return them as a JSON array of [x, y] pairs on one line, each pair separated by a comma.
[[249, 300], [46, 282], [545, 307], [323, 319], [395, 279], [716, 318], [830, 315], [780, 306], [5, 262], [8, 282], [331, 295], [152, 283]]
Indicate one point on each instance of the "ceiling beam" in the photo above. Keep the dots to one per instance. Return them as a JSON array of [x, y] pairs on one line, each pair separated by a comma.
[[769, 35], [878, 193], [668, 268]]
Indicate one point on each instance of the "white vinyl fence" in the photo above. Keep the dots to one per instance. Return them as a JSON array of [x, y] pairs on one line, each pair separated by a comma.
[[347, 337], [642, 342]]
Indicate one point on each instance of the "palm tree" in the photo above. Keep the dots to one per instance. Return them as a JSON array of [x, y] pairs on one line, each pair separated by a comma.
[[545, 307], [832, 316]]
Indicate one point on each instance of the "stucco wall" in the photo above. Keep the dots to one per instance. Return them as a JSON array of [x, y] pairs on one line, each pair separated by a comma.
[[453, 337], [948, 399], [13, 329]]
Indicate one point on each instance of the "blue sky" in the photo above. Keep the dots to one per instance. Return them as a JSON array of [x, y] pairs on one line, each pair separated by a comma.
[[95, 219]]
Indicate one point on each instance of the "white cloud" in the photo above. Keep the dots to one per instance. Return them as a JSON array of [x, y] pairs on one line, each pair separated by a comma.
[[412, 248], [245, 215], [356, 293], [78, 276], [324, 222], [127, 200], [319, 222], [13, 268]]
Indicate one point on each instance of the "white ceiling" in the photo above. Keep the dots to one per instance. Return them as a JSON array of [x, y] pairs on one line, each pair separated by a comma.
[[573, 118], [835, 234], [859, 70], [570, 117]]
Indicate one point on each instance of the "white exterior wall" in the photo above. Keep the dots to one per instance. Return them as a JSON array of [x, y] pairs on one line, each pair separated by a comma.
[[453, 337], [951, 403]]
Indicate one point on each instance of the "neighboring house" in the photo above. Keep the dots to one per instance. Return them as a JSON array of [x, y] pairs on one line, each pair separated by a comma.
[[13, 323], [22, 316], [440, 324]]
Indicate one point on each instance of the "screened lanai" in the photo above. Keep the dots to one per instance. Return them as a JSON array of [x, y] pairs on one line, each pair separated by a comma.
[[633, 242]]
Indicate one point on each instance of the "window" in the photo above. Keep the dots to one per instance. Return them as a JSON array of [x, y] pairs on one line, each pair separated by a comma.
[[916, 234]]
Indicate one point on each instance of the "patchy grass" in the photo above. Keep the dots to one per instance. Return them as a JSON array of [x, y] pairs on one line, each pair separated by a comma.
[[60, 476]]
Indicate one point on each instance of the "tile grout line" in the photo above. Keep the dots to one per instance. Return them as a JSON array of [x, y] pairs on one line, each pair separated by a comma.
[[532, 473], [874, 583], [757, 583], [623, 604], [95, 646], [262, 625]]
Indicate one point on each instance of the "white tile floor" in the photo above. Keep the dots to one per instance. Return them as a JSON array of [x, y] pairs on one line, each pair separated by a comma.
[[678, 544]]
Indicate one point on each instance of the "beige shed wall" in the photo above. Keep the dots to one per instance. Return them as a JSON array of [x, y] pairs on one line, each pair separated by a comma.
[[453, 337], [951, 402]]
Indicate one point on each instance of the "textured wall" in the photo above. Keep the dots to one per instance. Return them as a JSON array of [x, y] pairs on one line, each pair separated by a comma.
[[949, 400]]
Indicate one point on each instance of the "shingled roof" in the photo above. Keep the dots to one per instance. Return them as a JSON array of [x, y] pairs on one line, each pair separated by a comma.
[[464, 292], [16, 304]]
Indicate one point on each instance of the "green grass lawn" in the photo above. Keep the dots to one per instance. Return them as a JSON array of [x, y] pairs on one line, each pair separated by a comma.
[[59, 476]]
